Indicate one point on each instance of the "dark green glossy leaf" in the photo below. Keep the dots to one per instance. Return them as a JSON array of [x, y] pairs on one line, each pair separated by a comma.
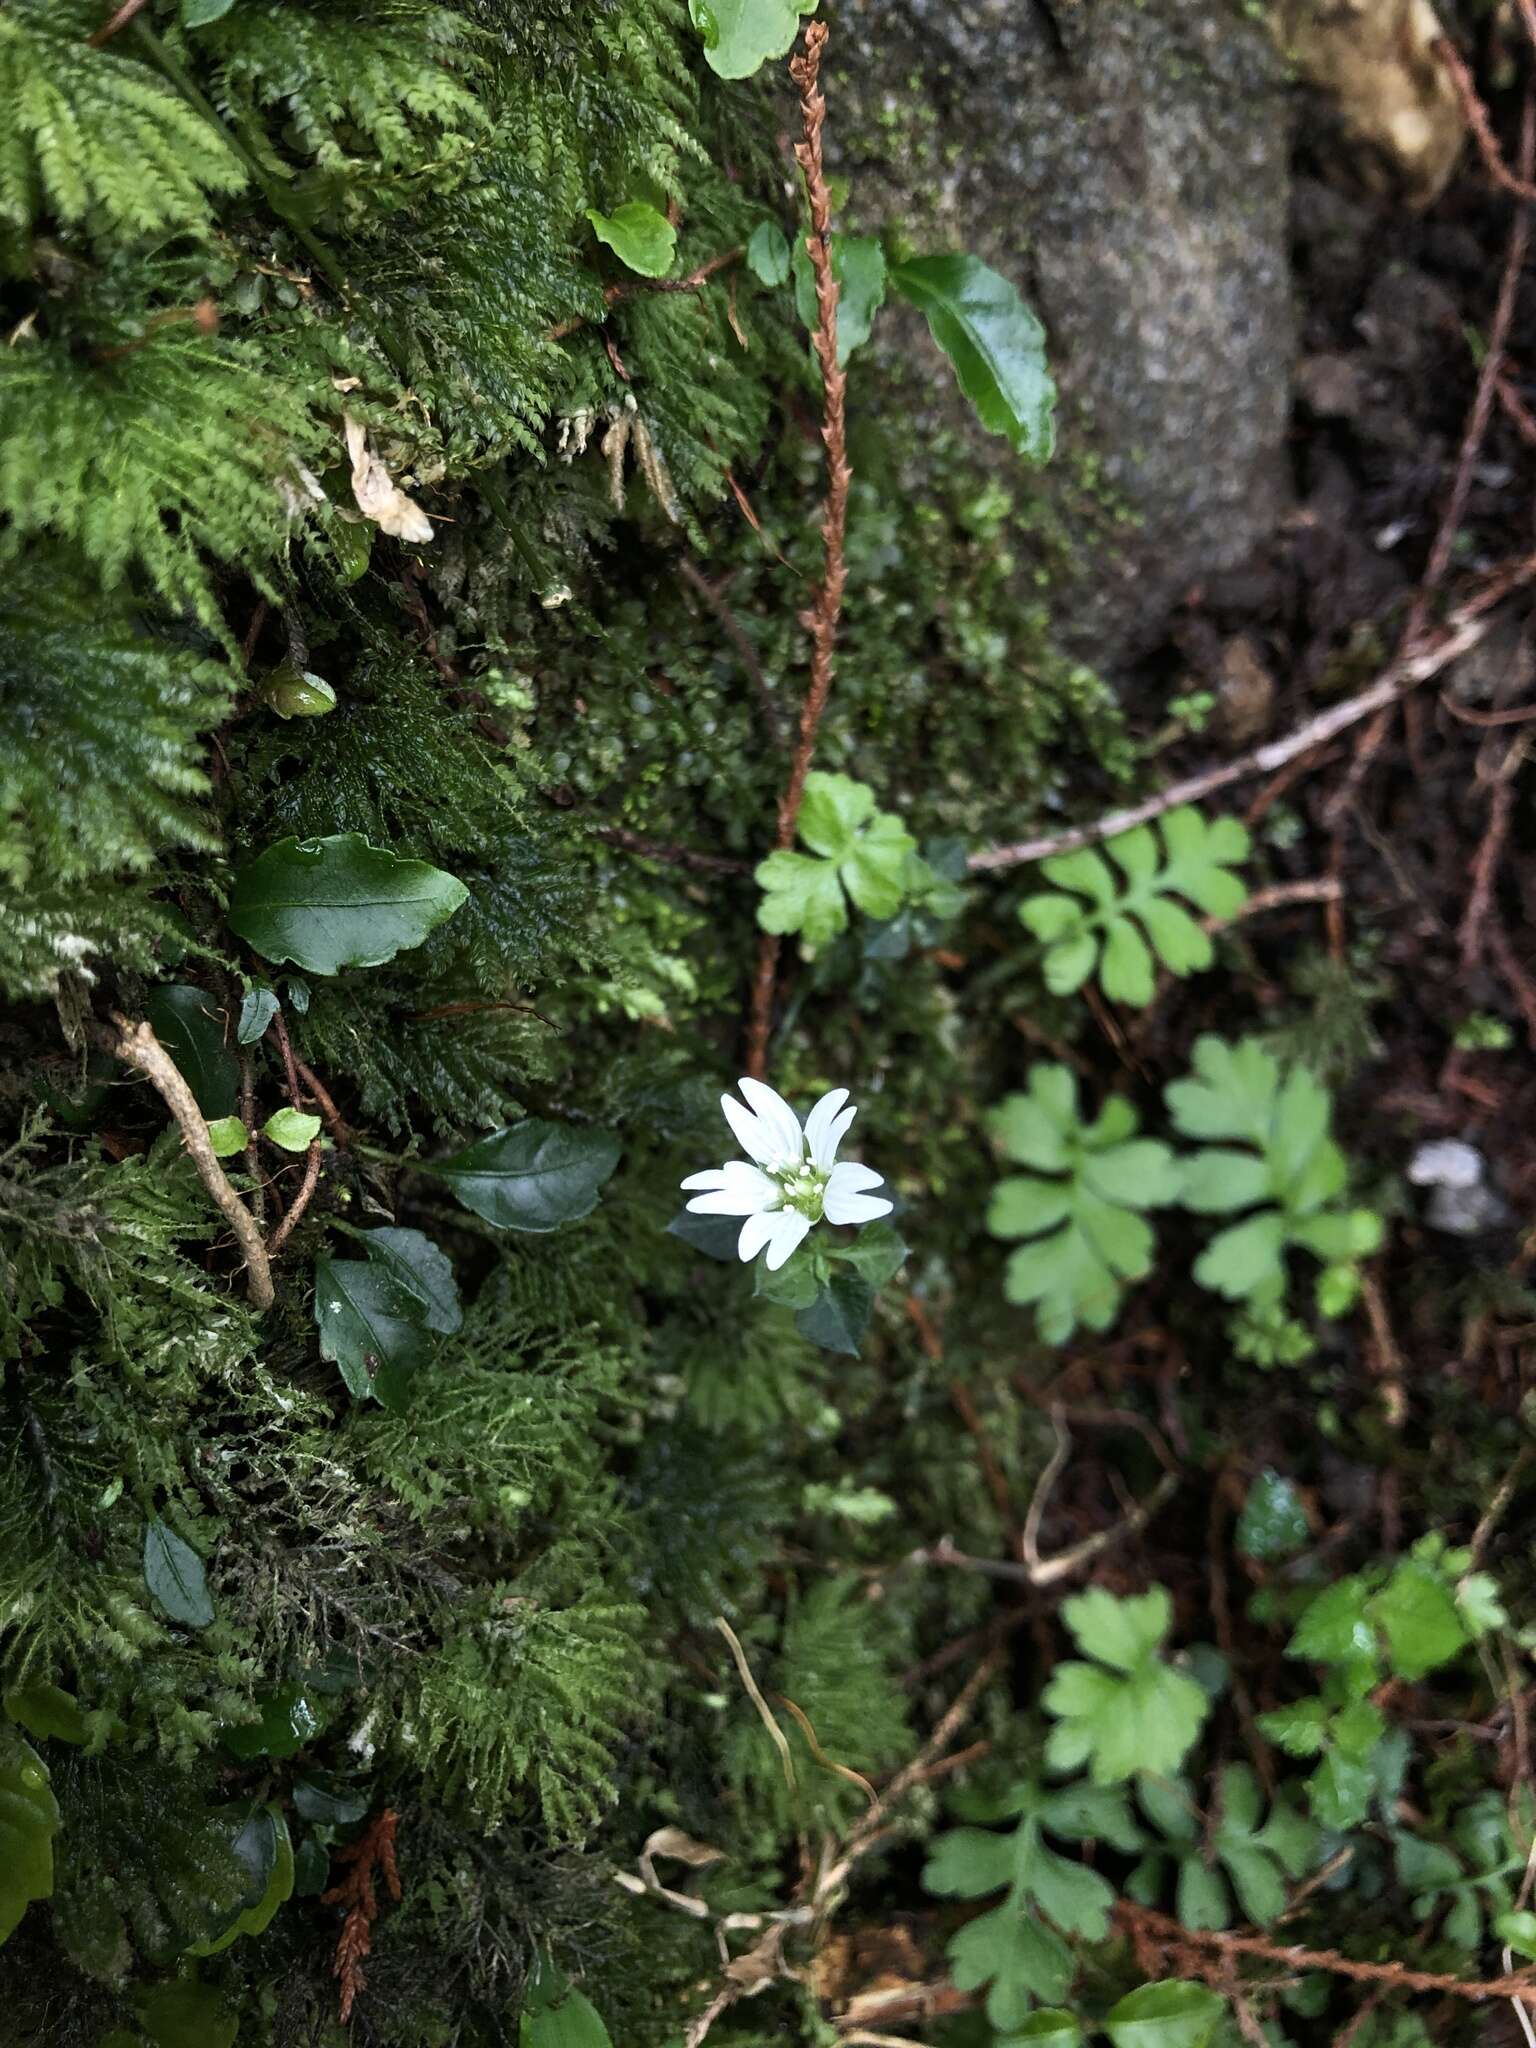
[[423, 1269], [190, 1025], [328, 1804], [326, 904], [174, 1573], [994, 341], [198, 13], [1273, 1522], [714, 1236], [286, 1722], [533, 1175], [373, 1327], [840, 1315]]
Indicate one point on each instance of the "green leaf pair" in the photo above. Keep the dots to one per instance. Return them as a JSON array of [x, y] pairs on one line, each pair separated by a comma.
[[292, 1129], [854, 848], [379, 1316], [1121, 926], [1080, 1205], [1128, 1711]]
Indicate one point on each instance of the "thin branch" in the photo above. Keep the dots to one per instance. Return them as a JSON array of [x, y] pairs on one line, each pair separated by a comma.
[[1477, 120], [674, 856], [335, 1122], [636, 287], [730, 625], [1467, 627], [119, 20], [754, 1693], [137, 1046], [1049, 1571], [301, 1200], [1490, 852], [821, 618], [1294, 1957]]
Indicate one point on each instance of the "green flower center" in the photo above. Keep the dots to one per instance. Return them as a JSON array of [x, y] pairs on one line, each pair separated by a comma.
[[802, 1187]]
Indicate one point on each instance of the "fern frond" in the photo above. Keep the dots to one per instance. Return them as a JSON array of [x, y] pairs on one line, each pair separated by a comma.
[[147, 462], [94, 137], [345, 82], [99, 738]]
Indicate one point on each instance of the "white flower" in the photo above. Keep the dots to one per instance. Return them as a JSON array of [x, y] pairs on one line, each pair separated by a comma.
[[792, 1181]]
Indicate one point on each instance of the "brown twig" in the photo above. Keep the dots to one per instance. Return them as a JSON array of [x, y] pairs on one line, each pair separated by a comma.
[[301, 1200], [1467, 627], [1514, 973], [119, 20], [636, 287], [730, 625], [335, 1122], [1485, 868], [1049, 1571], [821, 618], [1481, 411], [137, 1046], [1473, 435], [1163, 1927], [1477, 120], [674, 856], [374, 1849]]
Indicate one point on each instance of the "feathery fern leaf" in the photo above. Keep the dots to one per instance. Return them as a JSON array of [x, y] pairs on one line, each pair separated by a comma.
[[96, 138]]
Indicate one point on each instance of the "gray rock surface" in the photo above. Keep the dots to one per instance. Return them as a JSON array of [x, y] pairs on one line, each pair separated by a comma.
[[1125, 162]]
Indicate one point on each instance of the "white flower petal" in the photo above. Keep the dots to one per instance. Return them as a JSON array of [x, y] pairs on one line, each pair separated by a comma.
[[776, 1117], [846, 1198], [740, 1191], [821, 1132], [835, 1137], [756, 1232], [790, 1228], [855, 1208], [752, 1135], [712, 1177], [854, 1178]]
